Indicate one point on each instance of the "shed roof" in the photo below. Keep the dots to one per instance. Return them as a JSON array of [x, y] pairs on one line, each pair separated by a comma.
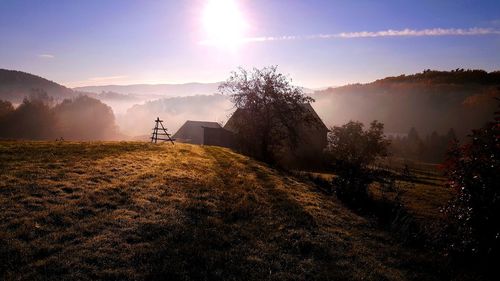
[[192, 131]]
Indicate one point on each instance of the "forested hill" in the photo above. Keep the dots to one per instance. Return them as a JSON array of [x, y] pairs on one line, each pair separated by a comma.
[[457, 76], [16, 85], [428, 101]]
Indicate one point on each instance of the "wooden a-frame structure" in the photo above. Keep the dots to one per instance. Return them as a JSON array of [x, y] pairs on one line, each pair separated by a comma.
[[164, 135]]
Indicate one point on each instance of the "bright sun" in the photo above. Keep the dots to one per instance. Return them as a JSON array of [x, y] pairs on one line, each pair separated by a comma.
[[223, 23]]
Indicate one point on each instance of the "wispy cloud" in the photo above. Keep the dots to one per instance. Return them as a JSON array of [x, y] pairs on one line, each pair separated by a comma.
[[107, 78], [423, 32], [475, 31], [99, 81], [46, 56]]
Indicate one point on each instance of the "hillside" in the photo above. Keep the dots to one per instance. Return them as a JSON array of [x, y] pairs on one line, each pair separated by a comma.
[[128, 211], [428, 101], [16, 85]]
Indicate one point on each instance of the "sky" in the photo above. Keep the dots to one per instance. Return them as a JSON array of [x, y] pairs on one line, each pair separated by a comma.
[[317, 43]]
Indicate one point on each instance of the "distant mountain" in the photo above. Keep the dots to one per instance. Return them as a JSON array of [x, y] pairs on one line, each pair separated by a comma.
[[16, 85], [164, 90]]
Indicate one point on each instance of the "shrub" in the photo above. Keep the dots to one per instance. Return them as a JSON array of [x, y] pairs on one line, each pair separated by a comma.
[[474, 213], [352, 150]]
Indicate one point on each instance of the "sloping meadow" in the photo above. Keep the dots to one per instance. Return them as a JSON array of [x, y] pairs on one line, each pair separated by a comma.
[[128, 211]]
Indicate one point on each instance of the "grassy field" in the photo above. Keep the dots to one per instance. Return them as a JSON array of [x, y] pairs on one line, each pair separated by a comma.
[[129, 211], [424, 193]]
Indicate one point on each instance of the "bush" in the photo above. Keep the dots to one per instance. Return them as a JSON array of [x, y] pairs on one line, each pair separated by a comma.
[[474, 213], [352, 150]]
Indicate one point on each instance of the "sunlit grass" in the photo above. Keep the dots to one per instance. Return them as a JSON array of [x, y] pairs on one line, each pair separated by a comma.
[[131, 210]]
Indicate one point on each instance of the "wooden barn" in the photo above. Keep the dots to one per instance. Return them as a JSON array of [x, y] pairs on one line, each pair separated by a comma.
[[194, 131], [313, 135], [311, 143]]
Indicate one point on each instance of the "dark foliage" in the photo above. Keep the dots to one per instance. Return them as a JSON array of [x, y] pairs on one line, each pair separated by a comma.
[[474, 214], [271, 110], [352, 150]]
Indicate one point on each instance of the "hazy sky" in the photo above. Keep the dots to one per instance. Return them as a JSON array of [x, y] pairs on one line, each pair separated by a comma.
[[318, 43]]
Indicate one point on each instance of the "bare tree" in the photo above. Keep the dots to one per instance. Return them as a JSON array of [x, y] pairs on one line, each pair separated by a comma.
[[269, 108]]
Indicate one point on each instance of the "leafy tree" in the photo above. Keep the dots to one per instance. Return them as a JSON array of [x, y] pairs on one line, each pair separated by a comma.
[[270, 109], [474, 174], [352, 150]]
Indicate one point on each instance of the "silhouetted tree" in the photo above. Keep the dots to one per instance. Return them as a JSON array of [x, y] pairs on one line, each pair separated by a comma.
[[353, 149], [270, 111]]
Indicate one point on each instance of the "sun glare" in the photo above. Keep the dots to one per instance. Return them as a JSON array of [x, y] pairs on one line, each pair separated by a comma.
[[223, 23]]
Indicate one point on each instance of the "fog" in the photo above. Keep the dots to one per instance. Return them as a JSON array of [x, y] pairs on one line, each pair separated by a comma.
[[428, 101], [138, 120], [399, 107]]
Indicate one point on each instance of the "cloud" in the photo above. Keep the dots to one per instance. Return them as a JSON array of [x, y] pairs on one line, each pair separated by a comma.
[[474, 31], [46, 56], [423, 32], [99, 81], [107, 78]]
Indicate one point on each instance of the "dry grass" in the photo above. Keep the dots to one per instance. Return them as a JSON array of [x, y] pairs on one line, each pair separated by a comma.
[[129, 211], [424, 194]]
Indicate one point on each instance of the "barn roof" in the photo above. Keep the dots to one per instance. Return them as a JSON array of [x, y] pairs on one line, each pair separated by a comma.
[[231, 123], [192, 131]]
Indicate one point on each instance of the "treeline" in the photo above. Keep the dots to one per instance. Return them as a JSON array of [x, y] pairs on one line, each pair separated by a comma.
[[457, 76], [39, 118], [431, 149]]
